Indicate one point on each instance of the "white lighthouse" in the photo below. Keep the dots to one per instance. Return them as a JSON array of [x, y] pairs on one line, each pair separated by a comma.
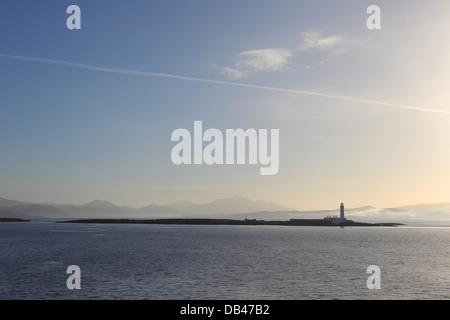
[[335, 219]]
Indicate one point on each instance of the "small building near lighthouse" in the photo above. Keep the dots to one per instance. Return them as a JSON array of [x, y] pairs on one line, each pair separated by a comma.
[[336, 219]]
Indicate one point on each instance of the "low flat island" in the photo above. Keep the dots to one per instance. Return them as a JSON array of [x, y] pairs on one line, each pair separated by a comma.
[[292, 222], [12, 220]]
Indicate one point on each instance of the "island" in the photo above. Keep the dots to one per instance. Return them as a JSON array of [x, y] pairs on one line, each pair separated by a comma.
[[329, 221], [254, 222], [13, 220]]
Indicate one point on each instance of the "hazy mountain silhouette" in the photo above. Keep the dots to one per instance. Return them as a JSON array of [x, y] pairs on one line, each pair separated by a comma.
[[101, 204], [237, 207], [153, 209], [11, 203], [237, 204], [106, 209], [36, 210], [180, 206], [97, 209]]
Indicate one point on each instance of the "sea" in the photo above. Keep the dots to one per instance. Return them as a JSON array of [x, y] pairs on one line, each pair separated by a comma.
[[188, 262]]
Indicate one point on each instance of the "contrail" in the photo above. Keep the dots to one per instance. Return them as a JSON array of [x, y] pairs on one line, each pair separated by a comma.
[[227, 83]]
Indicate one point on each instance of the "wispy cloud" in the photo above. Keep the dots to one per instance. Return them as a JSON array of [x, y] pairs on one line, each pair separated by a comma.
[[249, 62], [313, 40], [219, 82], [327, 47]]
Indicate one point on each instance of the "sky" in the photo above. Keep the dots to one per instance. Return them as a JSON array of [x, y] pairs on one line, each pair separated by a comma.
[[363, 115]]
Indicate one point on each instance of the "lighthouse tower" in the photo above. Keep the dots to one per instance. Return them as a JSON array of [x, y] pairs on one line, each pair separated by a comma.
[[336, 219]]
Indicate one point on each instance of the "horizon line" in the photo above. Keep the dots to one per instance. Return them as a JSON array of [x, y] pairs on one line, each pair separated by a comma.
[[229, 198]]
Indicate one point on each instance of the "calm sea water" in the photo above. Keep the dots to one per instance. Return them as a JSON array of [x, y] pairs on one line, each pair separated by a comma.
[[222, 262]]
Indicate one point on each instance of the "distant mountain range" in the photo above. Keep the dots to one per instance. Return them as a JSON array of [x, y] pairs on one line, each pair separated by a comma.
[[105, 209], [236, 207]]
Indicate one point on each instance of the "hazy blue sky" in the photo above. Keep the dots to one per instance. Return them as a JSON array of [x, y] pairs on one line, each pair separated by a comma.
[[72, 134]]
